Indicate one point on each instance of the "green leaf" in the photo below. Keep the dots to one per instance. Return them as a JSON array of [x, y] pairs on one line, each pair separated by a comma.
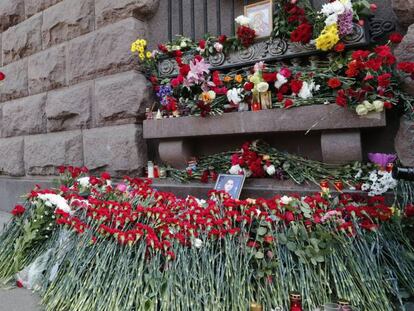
[[291, 246]]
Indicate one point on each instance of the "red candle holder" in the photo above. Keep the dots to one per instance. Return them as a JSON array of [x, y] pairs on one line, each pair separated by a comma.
[[389, 167], [295, 302], [256, 106], [324, 184]]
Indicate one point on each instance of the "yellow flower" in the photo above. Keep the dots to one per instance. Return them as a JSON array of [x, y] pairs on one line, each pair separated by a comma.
[[133, 47], [238, 78], [141, 56], [149, 55], [328, 38]]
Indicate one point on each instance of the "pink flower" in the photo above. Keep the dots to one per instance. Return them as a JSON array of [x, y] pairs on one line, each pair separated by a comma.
[[121, 187]]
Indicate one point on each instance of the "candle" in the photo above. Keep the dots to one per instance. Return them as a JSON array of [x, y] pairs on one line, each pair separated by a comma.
[[295, 302], [339, 185], [150, 169], [324, 184], [389, 167], [256, 307]]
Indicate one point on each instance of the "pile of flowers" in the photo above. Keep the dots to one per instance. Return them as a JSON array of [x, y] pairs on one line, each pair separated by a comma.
[[126, 246], [365, 81], [257, 160]]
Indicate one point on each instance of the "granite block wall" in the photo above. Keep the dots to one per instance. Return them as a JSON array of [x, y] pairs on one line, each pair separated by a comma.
[[72, 95]]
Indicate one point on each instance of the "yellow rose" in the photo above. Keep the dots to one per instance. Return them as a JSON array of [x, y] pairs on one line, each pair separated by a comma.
[[262, 87], [361, 110], [368, 105], [378, 105]]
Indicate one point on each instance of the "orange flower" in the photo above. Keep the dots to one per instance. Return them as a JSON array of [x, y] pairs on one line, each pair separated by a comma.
[[238, 78], [227, 79]]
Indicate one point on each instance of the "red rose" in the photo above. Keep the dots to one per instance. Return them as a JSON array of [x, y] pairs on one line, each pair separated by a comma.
[[248, 86], [303, 33], [61, 169], [198, 58], [288, 103], [289, 217], [395, 37], [268, 239], [178, 53], [334, 83], [222, 39], [340, 47], [360, 54], [18, 210], [246, 35], [2, 76], [202, 44], [19, 284]]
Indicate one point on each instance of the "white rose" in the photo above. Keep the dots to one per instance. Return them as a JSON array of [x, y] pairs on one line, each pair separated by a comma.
[[183, 44], [235, 169], [262, 87], [378, 105], [218, 46], [212, 95], [368, 105], [84, 181], [270, 170], [361, 110], [286, 200], [197, 243], [243, 20]]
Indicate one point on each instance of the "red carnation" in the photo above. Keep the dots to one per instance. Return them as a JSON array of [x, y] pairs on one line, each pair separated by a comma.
[[178, 53], [2, 76], [384, 80], [296, 85], [204, 177], [302, 34], [269, 77], [334, 83], [395, 37], [18, 210], [184, 70], [105, 176], [162, 48], [340, 47], [288, 103], [341, 101]]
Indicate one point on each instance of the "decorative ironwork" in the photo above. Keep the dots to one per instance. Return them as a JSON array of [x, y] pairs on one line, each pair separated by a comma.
[[277, 49], [379, 27]]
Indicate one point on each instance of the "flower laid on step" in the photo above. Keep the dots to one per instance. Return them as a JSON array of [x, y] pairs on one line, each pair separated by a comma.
[[145, 240]]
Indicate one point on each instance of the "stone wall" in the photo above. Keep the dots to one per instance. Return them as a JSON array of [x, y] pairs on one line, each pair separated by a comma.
[[72, 95]]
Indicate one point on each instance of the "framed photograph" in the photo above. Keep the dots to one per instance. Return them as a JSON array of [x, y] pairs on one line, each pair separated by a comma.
[[232, 184], [261, 16]]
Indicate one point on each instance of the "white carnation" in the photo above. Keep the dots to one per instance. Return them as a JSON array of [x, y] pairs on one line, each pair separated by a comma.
[[233, 95], [270, 170], [51, 199], [235, 169], [84, 182], [281, 79], [286, 200]]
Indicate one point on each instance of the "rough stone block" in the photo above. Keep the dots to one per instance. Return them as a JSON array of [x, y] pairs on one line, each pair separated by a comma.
[[67, 20], [104, 51], [15, 85], [341, 147], [404, 142], [11, 156], [119, 150], [404, 9], [69, 108], [11, 13], [109, 11], [44, 153], [31, 7], [405, 53], [121, 98], [47, 70], [22, 40], [24, 116]]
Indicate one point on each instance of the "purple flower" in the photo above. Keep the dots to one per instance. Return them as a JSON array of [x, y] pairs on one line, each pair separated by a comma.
[[382, 159], [163, 93], [345, 23]]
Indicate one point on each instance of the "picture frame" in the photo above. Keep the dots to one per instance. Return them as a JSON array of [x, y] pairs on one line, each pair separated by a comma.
[[232, 184], [261, 15]]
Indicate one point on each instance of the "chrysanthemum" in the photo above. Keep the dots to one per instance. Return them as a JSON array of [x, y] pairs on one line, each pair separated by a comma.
[[328, 38]]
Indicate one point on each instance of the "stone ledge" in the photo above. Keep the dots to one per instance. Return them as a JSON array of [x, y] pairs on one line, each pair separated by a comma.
[[315, 117]]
